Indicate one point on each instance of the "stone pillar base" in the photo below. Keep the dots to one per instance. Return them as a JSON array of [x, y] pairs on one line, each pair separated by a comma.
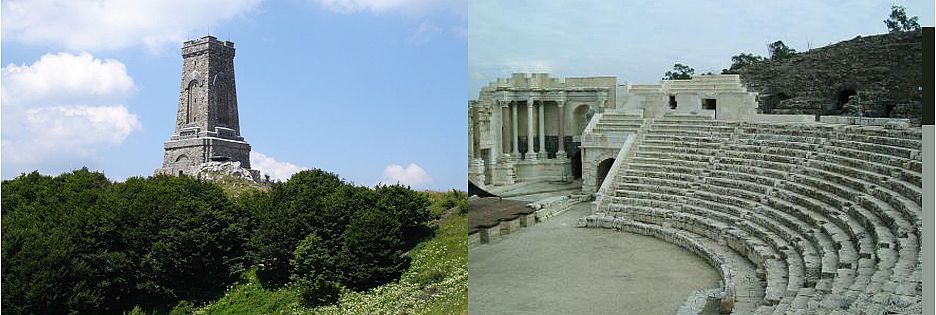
[[476, 171], [503, 174]]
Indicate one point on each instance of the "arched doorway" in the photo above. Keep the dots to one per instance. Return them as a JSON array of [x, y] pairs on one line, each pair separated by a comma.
[[603, 168], [841, 98], [576, 160]]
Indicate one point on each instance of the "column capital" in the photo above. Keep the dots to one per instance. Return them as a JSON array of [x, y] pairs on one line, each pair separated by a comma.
[[560, 103]]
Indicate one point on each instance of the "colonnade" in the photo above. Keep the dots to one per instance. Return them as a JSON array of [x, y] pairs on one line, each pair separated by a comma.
[[509, 114]]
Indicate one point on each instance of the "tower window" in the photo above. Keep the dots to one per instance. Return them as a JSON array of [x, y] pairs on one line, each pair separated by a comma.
[[672, 101], [708, 103]]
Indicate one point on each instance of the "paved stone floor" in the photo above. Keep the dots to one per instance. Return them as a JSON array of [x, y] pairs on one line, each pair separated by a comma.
[[555, 268]]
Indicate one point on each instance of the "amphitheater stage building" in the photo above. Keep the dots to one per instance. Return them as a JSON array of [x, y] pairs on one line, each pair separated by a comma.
[[825, 212]]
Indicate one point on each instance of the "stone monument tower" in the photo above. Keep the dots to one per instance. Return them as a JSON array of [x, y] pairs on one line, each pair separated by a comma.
[[207, 130]]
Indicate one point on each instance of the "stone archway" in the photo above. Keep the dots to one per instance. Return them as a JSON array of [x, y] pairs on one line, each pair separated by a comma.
[[602, 171], [841, 98]]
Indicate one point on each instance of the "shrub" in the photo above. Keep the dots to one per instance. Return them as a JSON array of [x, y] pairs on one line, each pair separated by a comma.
[[78, 243], [371, 251], [314, 272], [183, 308], [293, 211]]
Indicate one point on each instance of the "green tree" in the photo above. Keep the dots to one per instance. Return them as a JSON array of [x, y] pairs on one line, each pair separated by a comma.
[[49, 260], [406, 206], [314, 272], [899, 22], [679, 72], [371, 251], [294, 209], [77, 243], [743, 60], [780, 51]]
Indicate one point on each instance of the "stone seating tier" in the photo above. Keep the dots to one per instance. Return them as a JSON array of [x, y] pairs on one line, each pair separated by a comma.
[[829, 214]]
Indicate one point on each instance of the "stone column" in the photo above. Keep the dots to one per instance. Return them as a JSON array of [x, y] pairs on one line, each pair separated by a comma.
[[498, 120], [513, 135], [561, 154], [471, 121], [530, 154], [542, 133]]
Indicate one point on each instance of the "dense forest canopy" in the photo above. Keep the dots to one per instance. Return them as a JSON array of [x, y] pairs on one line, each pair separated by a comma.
[[79, 242]]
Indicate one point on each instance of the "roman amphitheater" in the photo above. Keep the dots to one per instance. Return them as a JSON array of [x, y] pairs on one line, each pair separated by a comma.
[[794, 213]]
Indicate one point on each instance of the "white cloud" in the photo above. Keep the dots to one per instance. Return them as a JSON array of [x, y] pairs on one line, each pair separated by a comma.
[[62, 133], [60, 111], [415, 7], [66, 78], [412, 175], [270, 166], [114, 24]]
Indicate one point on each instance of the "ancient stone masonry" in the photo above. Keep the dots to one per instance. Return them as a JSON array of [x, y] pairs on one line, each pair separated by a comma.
[[207, 123], [799, 215], [524, 127], [538, 128], [884, 71], [825, 217]]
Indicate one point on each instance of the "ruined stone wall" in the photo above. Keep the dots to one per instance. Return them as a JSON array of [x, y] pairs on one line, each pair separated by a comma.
[[886, 71]]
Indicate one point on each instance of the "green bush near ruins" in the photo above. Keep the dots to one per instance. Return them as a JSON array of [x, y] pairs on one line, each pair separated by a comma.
[[79, 242]]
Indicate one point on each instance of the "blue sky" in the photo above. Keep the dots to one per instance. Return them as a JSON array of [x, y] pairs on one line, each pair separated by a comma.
[[373, 90], [638, 41]]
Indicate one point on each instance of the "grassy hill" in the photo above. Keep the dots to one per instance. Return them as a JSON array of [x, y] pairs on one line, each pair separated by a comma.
[[435, 283]]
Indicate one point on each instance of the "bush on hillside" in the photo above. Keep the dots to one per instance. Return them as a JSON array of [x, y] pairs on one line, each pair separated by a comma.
[[371, 251], [78, 243]]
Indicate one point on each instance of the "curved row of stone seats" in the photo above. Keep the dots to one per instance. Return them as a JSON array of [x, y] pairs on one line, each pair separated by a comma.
[[778, 278], [793, 217], [716, 129], [699, 207], [757, 251], [793, 271], [906, 189], [912, 164], [853, 213], [752, 197], [898, 206], [806, 267], [796, 189], [904, 172], [694, 121], [883, 139], [900, 152]]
